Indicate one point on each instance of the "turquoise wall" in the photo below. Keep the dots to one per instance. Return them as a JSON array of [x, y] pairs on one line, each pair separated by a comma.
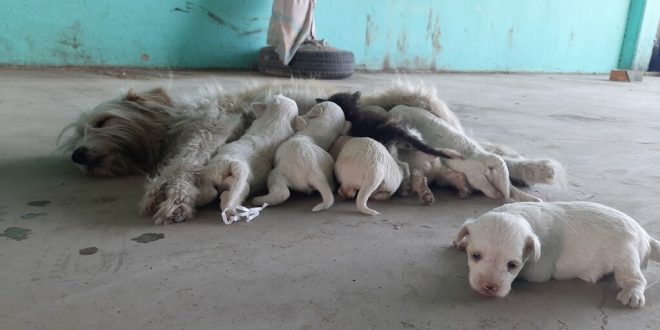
[[451, 35]]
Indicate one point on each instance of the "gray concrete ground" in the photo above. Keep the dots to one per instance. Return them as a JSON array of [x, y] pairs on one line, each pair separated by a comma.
[[289, 268]]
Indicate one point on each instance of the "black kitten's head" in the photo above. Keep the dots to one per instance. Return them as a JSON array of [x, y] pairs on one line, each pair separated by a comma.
[[346, 101]]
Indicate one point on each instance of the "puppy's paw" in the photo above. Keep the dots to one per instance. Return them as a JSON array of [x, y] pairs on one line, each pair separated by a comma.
[[632, 297], [426, 197], [464, 193], [544, 171]]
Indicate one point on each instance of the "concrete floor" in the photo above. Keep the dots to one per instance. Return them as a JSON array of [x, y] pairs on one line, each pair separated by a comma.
[[289, 268]]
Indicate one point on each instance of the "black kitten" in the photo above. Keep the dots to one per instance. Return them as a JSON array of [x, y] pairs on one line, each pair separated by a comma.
[[380, 127]]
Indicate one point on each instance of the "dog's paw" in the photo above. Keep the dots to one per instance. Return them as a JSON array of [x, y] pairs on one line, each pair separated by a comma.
[[544, 171], [464, 193], [426, 197], [632, 297], [177, 211], [153, 199]]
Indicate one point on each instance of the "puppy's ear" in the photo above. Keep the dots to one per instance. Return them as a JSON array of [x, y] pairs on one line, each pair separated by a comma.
[[347, 128], [158, 95], [460, 242], [316, 111], [356, 95], [532, 248], [258, 109], [299, 123], [320, 100]]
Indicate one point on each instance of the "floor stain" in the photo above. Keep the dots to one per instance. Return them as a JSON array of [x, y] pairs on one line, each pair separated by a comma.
[[39, 203], [148, 237], [104, 199], [33, 215], [88, 251], [16, 233]]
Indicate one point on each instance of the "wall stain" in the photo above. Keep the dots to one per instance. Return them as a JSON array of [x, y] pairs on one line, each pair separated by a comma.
[[88, 251], [219, 20], [370, 30], [144, 57], [570, 41], [402, 42], [247, 33], [433, 33], [38, 203], [33, 215], [386, 63], [509, 36], [71, 36], [181, 10], [16, 233], [148, 237]]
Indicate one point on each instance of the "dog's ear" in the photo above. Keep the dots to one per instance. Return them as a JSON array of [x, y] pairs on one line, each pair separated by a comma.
[[299, 123], [258, 109], [532, 248], [320, 100], [459, 241], [347, 128], [316, 111], [158, 95], [356, 95]]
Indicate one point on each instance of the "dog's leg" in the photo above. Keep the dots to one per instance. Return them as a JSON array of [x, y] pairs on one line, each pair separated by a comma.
[[630, 279], [420, 186], [179, 204], [456, 179], [239, 188], [528, 172], [322, 184], [278, 191], [521, 196], [156, 193]]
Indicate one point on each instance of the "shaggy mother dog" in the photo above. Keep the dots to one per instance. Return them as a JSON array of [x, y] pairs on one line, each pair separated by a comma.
[[169, 138]]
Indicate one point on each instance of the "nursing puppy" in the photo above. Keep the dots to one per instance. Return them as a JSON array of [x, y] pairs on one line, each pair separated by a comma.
[[243, 165], [302, 162], [364, 167], [562, 240], [374, 122]]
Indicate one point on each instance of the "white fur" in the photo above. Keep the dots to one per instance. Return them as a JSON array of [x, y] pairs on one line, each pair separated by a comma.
[[243, 166], [561, 240], [302, 162], [364, 165], [484, 171]]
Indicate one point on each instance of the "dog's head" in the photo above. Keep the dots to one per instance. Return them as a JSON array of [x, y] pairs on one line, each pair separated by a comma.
[[121, 136], [498, 245], [348, 102]]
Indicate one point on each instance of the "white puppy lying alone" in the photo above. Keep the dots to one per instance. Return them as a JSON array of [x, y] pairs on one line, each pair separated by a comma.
[[302, 162], [562, 240]]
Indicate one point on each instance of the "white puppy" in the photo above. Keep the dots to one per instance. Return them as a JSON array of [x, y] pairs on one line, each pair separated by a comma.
[[302, 162], [364, 166], [562, 240], [243, 165]]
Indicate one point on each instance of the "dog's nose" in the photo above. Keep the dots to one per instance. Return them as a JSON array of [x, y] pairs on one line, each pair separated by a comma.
[[489, 287], [80, 155]]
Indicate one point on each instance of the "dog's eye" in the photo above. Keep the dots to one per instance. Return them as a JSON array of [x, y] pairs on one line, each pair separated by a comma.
[[511, 265], [476, 256]]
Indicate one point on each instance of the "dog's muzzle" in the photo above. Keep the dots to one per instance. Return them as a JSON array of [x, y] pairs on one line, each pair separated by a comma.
[[80, 156]]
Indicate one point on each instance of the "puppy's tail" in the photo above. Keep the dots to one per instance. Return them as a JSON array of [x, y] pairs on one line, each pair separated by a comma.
[[655, 249], [366, 191]]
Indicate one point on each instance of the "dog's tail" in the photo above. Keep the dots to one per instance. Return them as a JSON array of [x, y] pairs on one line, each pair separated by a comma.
[[367, 190], [655, 249]]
